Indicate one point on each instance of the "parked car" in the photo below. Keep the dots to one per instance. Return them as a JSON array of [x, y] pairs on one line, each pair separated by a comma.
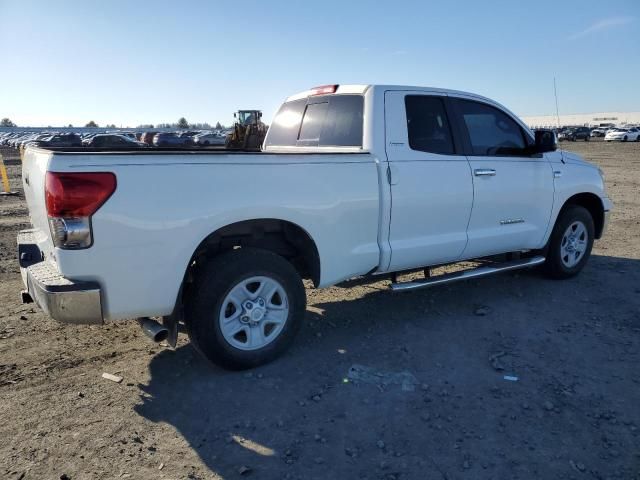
[[189, 133], [623, 135], [61, 140], [209, 138], [109, 140], [223, 240], [147, 137], [599, 132], [172, 140], [577, 133]]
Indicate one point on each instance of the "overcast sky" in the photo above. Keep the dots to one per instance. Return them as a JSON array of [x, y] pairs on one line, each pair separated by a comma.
[[133, 62]]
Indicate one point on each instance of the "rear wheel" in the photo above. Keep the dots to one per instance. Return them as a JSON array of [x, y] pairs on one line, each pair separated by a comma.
[[570, 244], [245, 308]]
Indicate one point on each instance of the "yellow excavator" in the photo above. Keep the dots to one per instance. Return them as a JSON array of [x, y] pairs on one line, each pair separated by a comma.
[[248, 131]]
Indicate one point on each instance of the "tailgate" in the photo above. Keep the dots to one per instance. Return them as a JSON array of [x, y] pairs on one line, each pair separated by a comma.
[[34, 168]]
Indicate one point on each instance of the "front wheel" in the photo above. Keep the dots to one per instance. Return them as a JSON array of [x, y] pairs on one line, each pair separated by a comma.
[[570, 244], [245, 308]]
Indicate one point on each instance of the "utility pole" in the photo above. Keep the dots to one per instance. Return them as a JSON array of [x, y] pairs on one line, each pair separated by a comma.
[[555, 93]]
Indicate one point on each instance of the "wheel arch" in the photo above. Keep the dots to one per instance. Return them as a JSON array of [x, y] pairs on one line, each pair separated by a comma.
[[593, 203], [282, 237]]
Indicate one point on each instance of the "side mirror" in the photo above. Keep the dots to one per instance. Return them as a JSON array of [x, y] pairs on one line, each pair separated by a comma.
[[235, 115], [546, 141]]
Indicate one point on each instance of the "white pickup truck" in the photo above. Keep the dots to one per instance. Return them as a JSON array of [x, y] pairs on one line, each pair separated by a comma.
[[352, 180]]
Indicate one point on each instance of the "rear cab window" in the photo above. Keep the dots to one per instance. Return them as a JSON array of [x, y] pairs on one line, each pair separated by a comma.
[[319, 121], [428, 126]]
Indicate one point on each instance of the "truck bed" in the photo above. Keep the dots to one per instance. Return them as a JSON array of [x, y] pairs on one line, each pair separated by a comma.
[[169, 200]]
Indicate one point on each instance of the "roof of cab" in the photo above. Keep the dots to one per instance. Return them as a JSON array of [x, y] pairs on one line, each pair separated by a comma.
[[361, 89]]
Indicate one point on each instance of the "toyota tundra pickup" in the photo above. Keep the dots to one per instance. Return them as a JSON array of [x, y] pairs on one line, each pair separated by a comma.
[[352, 180]]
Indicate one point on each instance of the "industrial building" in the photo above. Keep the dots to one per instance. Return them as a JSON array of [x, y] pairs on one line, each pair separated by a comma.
[[584, 119]]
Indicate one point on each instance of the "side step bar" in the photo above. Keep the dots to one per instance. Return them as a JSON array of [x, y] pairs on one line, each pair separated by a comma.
[[467, 274]]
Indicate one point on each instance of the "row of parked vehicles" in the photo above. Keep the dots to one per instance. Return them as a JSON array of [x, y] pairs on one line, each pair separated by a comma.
[[192, 138], [629, 133]]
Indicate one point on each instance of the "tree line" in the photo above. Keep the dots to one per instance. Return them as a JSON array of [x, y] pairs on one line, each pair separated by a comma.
[[182, 123]]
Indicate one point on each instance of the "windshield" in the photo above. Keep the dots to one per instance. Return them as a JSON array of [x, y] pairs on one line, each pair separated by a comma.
[[246, 117]]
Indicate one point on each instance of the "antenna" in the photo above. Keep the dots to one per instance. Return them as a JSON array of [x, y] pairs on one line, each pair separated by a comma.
[[555, 93]]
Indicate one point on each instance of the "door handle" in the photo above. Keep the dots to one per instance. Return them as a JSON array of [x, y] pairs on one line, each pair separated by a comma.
[[484, 172]]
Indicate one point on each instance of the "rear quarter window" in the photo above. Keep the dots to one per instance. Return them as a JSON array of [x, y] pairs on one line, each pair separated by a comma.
[[324, 121]]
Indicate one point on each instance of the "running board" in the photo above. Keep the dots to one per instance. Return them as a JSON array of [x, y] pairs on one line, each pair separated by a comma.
[[467, 274]]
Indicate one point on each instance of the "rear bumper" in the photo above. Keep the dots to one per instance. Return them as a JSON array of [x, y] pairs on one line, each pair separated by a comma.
[[64, 300]]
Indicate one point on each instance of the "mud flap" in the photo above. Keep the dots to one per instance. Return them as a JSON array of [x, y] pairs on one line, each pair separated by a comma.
[[170, 322]]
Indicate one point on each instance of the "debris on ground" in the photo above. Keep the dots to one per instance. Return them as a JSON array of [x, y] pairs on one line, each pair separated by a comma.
[[244, 470], [510, 378], [113, 378], [482, 310], [494, 360], [577, 466], [364, 374]]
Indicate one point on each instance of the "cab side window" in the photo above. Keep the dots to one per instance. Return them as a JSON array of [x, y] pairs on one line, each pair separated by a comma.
[[491, 131], [427, 124]]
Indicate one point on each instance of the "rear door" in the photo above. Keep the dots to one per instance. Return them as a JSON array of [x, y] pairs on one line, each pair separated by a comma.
[[512, 189], [431, 185]]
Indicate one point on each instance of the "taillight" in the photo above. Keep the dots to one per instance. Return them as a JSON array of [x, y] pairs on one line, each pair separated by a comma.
[[71, 200], [323, 90]]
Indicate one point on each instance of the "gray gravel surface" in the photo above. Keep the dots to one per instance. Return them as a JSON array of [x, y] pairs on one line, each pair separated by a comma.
[[572, 413]]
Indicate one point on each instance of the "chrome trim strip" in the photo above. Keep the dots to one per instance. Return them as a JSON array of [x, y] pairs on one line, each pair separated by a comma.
[[467, 274]]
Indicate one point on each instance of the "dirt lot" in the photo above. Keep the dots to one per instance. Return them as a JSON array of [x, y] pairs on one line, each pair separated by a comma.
[[574, 411]]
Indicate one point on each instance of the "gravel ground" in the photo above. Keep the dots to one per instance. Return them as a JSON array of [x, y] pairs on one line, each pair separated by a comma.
[[573, 412]]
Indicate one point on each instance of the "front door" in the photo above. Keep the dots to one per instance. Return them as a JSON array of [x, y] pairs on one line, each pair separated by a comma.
[[431, 185], [512, 189]]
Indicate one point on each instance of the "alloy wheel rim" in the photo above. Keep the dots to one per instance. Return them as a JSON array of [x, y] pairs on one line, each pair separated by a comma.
[[254, 313], [574, 244]]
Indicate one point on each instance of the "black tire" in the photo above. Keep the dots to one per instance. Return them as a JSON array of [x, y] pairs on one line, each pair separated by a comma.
[[586, 139], [214, 280], [624, 139], [554, 266]]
